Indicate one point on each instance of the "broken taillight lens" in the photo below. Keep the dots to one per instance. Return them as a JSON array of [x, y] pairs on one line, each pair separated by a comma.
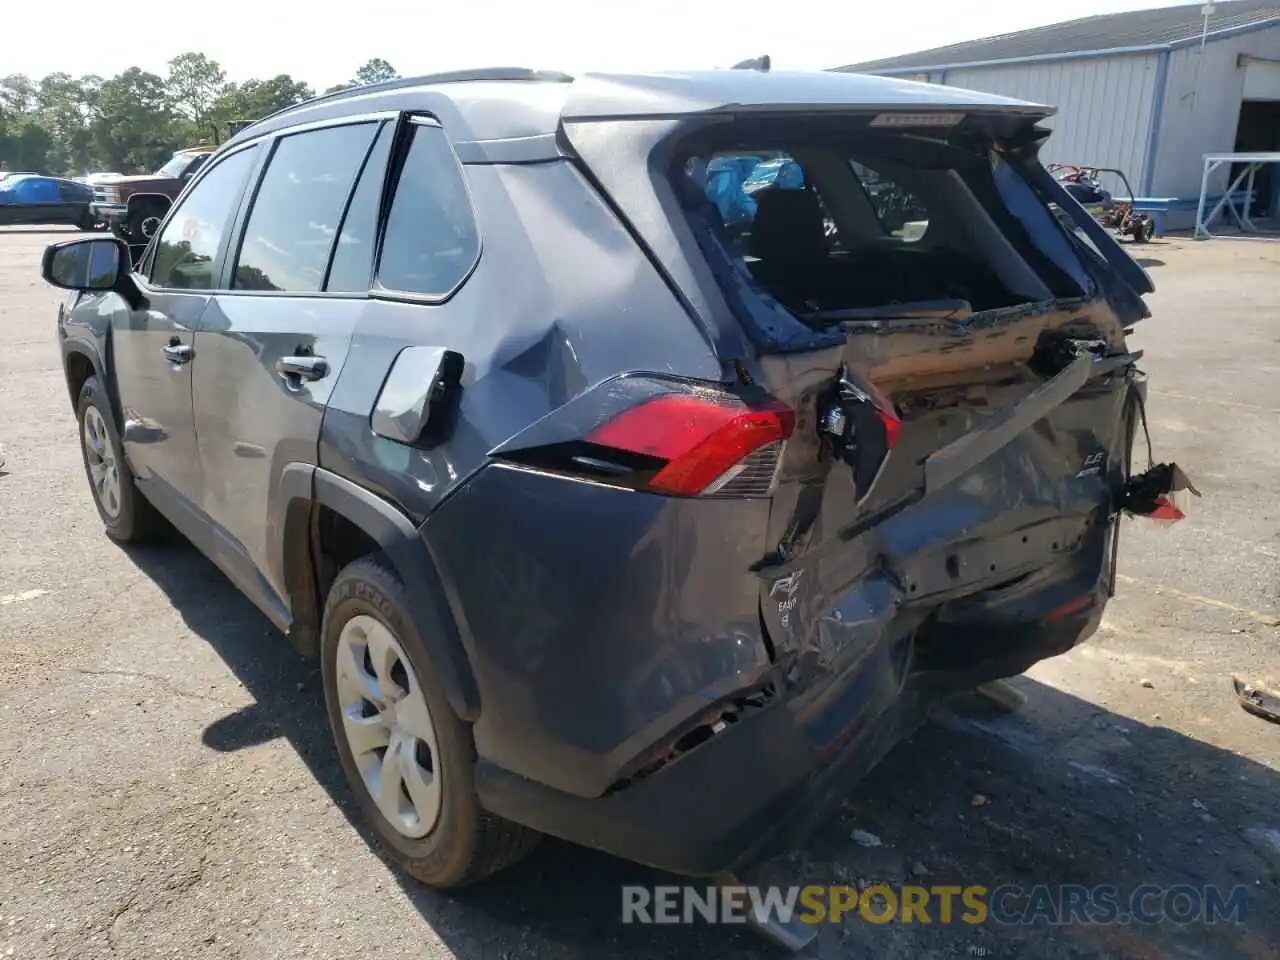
[[1159, 494], [892, 426], [862, 427], [710, 444]]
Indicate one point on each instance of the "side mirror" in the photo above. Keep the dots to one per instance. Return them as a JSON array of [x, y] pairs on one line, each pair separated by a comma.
[[94, 264]]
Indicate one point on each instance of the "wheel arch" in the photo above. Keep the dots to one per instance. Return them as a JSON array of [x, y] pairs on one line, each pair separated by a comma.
[[80, 361], [139, 199], [328, 521]]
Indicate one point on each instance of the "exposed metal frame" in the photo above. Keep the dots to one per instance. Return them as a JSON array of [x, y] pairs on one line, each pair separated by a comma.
[[1253, 163]]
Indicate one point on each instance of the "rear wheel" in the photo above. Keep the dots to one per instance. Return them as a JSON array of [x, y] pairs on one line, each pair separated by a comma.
[[127, 515], [407, 755]]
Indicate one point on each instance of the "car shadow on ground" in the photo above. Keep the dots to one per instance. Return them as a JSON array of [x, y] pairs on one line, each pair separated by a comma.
[[1063, 792]]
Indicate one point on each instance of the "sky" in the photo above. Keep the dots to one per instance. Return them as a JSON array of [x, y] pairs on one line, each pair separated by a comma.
[[323, 43]]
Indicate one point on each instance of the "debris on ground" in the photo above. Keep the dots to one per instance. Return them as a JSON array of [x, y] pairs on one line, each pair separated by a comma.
[[1146, 683], [864, 839], [978, 800], [1259, 699]]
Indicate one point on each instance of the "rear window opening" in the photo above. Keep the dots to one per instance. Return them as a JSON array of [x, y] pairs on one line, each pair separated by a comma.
[[838, 226]]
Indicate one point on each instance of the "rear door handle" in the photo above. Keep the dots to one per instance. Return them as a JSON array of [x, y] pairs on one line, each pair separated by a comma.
[[178, 353], [302, 368]]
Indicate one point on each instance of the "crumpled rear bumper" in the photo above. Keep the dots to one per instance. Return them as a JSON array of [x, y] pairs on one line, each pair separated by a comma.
[[768, 780]]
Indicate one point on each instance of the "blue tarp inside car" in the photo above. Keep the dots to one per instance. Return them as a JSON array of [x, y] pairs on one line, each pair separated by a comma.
[[730, 182]]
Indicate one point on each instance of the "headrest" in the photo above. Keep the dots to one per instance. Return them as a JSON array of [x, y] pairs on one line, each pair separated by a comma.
[[788, 225]]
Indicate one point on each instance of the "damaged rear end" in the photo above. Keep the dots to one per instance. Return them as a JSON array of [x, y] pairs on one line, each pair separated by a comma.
[[960, 402], [964, 398]]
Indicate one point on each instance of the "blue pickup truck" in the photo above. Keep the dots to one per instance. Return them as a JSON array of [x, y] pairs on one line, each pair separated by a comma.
[[29, 198]]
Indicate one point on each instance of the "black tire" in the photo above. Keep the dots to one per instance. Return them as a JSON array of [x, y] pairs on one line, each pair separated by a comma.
[[467, 843], [136, 520], [143, 221]]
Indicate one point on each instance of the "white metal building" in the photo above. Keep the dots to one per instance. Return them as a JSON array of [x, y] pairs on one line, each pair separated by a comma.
[[1149, 92]]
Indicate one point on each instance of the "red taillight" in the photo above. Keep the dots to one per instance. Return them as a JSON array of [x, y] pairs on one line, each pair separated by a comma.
[[701, 439], [892, 426], [1167, 511]]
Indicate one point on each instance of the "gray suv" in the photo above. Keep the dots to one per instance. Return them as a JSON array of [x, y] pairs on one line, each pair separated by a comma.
[[612, 515]]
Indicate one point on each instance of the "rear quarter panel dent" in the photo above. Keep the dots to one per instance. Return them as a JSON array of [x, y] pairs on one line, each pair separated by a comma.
[[597, 619], [561, 299]]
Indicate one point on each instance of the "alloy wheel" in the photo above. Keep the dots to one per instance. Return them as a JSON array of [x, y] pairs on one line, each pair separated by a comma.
[[104, 471], [387, 726]]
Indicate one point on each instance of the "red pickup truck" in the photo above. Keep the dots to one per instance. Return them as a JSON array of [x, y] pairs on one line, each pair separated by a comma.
[[134, 206]]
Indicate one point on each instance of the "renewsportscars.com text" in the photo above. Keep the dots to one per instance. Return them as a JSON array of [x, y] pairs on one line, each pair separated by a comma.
[[974, 905]]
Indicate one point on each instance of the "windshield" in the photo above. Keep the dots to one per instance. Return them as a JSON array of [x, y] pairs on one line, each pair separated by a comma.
[[176, 166]]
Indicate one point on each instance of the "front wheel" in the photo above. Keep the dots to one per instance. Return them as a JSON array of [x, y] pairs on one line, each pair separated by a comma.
[[127, 515], [143, 222], [407, 755]]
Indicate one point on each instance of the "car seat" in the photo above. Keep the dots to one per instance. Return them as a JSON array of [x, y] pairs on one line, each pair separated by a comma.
[[789, 245]]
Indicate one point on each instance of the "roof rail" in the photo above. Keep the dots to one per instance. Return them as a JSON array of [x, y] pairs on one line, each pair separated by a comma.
[[500, 74]]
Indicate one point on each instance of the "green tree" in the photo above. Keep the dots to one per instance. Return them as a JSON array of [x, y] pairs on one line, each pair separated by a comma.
[[66, 125], [64, 107], [17, 94], [25, 145], [255, 99], [134, 128], [374, 71], [194, 83]]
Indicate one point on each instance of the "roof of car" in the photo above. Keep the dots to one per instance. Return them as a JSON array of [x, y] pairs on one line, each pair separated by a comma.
[[512, 103]]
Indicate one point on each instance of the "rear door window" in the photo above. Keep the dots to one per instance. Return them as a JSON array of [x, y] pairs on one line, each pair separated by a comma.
[[431, 240], [351, 270], [294, 220]]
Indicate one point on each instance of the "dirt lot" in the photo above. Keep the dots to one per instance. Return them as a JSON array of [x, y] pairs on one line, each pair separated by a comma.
[[168, 788]]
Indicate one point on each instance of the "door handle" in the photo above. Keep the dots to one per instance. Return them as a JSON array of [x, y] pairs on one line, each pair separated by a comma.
[[302, 368], [178, 353]]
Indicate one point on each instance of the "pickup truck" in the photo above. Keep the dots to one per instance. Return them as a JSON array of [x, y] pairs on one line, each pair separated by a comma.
[[134, 206]]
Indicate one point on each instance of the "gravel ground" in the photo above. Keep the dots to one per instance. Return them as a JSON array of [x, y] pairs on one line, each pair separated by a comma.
[[168, 787]]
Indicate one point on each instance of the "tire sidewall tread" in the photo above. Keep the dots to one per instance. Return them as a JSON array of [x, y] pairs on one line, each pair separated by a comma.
[[137, 520], [467, 843]]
